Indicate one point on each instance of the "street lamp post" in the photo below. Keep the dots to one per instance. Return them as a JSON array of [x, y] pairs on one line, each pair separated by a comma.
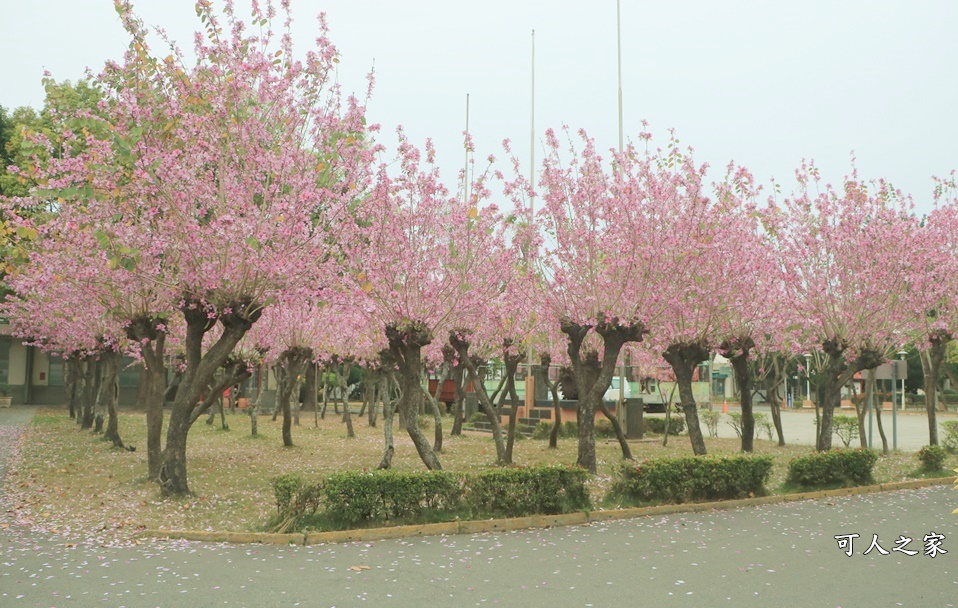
[[808, 382]]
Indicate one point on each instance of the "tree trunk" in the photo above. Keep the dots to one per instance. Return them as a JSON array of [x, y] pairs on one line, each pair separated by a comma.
[[89, 391], [200, 369], [683, 357], [459, 399], [592, 376], [389, 407], [511, 361], [406, 346], [461, 345], [149, 334], [545, 361], [434, 407], [112, 384], [931, 360], [861, 407], [310, 403], [775, 403], [343, 387], [325, 392], [737, 353], [836, 373], [71, 375]]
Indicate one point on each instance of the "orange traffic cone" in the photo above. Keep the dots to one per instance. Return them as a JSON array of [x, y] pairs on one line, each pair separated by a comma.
[[725, 407]]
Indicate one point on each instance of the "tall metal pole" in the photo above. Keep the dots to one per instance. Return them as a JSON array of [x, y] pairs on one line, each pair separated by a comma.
[[618, 28], [532, 185], [465, 166]]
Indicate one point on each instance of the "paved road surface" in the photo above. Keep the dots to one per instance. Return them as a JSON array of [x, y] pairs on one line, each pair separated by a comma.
[[774, 555]]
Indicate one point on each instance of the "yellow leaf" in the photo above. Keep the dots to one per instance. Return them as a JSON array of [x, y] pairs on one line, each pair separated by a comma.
[[367, 286], [359, 568], [320, 166], [473, 213]]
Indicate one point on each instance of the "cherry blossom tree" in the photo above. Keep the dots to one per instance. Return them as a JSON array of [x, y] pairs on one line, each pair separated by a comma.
[[213, 187], [840, 259], [591, 262], [430, 263], [933, 281]]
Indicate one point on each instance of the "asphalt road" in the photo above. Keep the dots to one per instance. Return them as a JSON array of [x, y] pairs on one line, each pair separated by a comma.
[[773, 555]]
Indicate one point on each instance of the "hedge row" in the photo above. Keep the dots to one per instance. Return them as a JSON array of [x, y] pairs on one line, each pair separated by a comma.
[[691, 479], [378, 496], [835, 467]]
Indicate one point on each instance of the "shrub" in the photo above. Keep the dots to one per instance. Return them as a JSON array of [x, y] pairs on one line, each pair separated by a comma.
[[657, 425], [383, 495], [570, 429], [515, 492], [692, 478], [932, 457], [846, 427], [285, 489], [711, 419], [950, 439], [835, 467]]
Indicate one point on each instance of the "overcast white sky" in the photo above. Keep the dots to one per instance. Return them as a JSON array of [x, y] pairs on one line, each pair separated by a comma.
[[765, 83]]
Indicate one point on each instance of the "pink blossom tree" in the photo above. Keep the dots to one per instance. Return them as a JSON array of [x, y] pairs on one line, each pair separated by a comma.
[[213, 186], [429, 264], [590, 222], [840, 259], [933, 281]]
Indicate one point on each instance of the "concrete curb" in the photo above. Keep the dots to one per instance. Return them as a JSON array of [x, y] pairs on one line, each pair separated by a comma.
[[523, 523]]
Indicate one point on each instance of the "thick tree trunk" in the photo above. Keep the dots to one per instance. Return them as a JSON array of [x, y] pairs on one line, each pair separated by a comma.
[[861, 408], [344, 392], [149, 334], [406, 344], [835, 374], [458, 380], [71, 376], [111, 387], [593, 377], [389, 407], [200, 369], [309, 404], [89, 391], [434, 407], [931, 360], [737, 352], [511, 361], [683, 357]]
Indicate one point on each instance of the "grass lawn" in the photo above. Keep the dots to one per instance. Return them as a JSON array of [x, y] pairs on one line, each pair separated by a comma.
[[69, 482]]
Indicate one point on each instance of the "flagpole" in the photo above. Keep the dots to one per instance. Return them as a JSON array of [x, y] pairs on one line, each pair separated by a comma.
[[530, 399]]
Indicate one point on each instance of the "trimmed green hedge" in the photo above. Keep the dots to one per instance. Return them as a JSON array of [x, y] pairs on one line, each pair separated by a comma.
[[379, 496], [692, 479], [383, 495], [516, 492], [835, 467]]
